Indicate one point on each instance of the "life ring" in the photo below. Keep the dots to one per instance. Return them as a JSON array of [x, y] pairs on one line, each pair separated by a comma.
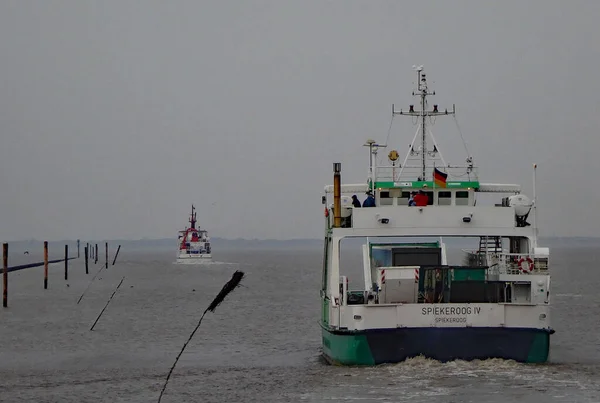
[[529, 267], [326, 212]]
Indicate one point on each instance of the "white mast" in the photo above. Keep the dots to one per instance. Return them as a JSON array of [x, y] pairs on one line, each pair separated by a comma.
[[373, 147]]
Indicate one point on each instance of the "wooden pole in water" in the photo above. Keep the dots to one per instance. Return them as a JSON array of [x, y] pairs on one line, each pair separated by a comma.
[[66, 262], [45, 265], [85, 252], [78, 249], [96, 255], [106, 253], [5, 275], [116, 254]]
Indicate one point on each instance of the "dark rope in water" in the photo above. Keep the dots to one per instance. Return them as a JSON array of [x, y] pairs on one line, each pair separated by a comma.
[[105, 306], [227, 288]]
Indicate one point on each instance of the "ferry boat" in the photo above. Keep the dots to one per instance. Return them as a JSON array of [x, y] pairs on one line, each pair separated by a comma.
[[194, 243], [410, 301]]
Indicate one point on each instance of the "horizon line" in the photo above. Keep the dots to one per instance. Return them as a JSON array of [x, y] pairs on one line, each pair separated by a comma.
[[249, 239]]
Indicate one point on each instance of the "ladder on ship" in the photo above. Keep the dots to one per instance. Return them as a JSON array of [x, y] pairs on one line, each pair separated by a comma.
[[490, 244]]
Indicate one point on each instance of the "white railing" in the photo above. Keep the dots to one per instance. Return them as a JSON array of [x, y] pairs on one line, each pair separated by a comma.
[[508, 263], [413, 173]]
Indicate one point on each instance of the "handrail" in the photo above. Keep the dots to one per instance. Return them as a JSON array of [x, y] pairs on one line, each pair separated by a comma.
[[509, 263], [389, 173]]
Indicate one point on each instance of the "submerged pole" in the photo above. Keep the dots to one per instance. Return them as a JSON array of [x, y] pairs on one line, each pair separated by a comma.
[[85, 253], [5, 275], [337, 193], [45, 265], [116, 254], [66, 262], [106, 253]]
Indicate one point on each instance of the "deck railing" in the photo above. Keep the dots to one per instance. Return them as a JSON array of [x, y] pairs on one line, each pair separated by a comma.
[[508, 263], [412, 173]]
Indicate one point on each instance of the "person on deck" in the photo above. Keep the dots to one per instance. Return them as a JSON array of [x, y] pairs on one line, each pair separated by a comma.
[[421, 199], [370, 200], [411, 201], [355, 201]]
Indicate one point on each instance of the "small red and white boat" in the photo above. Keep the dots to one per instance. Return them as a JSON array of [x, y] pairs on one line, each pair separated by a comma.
[[194, 243]]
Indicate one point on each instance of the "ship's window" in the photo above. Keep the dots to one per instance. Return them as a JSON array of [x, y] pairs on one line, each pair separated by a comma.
[[403, 199], [462, 198], [444, 198], [429, 198], [385, 199]]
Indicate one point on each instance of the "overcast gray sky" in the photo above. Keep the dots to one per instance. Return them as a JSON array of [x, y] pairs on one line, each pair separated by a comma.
[[115, 116]]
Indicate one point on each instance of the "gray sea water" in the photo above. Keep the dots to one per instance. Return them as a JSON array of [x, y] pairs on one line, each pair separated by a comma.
[[262, 344]]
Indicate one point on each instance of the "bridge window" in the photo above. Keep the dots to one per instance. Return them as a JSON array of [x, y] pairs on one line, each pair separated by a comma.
[[385, 199], [429, 198], [444, 198], [462, 198]]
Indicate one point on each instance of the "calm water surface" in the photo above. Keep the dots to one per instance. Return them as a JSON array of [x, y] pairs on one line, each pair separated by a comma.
[[262, 344]]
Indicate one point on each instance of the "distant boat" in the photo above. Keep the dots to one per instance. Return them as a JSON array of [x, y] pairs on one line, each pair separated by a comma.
[[193, 243]]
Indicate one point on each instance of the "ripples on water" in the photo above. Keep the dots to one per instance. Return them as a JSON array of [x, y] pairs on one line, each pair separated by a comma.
[[262, 344]]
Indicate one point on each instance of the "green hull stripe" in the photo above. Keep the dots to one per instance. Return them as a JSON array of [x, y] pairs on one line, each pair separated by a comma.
[[540, 348], [347, 349]]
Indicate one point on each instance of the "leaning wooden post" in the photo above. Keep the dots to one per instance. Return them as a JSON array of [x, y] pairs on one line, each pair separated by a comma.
[[66, 262], [116, 254], [106, 253], [45, 265], [5, 275], [85, 252]]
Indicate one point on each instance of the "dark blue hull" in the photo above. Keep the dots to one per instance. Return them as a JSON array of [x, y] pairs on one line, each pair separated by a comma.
[[378, 346]]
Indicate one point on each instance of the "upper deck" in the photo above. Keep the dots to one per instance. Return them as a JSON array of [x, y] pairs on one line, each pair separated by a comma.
[[450, 211], [448, 199]]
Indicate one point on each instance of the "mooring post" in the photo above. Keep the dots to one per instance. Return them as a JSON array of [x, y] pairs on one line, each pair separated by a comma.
[[106, 253], [5, 275], [116, 254], [45, 265], [85, 252], [96, 255], [78, 249], [66, 262]]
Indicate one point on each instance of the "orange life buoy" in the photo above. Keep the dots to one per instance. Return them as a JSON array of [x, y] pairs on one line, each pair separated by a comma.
[[526, 268]]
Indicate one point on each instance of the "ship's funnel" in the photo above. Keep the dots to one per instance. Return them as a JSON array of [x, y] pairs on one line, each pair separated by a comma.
[[337, 192]]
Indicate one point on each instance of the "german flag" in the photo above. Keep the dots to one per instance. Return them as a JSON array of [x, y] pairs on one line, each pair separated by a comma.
[[439, 178]]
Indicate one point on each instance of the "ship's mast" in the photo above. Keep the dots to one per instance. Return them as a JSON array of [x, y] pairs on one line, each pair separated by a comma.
[[373, 147], [193, 218], [422, 92]]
